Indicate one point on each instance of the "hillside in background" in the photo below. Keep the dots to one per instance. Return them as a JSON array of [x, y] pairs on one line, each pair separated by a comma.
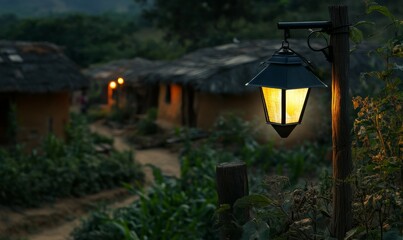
[[24, 8]]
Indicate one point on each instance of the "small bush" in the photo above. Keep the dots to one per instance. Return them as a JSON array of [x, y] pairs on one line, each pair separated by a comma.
[[119, 115], [96, 113], [178, 208], [61, 169], [147, 125], [171, 209]]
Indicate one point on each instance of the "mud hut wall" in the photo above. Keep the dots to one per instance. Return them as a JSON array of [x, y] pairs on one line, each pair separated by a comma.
[[41, 114], [316, 122], [209, 106], [170, 105]]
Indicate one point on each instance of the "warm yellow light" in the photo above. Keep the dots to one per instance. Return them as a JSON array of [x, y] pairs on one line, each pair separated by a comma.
[[121, 81], [294, 103], [295, 100], [112, 84], [272, 98]]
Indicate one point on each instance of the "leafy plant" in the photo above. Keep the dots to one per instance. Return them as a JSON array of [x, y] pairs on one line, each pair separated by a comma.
[[304, 213], [378, 130], [147, 125], [281, 213], [177, 208], [59, 169], [171, 209], [119, 115]]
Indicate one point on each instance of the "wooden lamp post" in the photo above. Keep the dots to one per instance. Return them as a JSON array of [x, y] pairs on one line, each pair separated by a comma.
[[338, 54]]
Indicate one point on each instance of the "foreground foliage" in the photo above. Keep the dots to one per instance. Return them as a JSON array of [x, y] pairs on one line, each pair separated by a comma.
[[59, 169], [279, 209], [171, 209], [304, 213], [184, 208]]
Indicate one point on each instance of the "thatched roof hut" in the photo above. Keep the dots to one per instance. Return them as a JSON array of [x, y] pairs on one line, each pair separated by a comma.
[[37, 68], [226, 68], [197, 88], [137, 95], [36, 85], [129, 69]]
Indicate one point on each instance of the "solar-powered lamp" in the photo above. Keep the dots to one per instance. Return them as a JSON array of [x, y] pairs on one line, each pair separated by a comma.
[[285, 84]]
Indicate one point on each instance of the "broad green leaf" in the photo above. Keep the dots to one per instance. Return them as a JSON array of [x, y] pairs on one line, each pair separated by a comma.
[[363, 23], [249, 231], [223, 208], [350, 233], [157, 173], [134, 235], [255, 200], [263, 230], [356, 35], [381, 9], [255, 230]]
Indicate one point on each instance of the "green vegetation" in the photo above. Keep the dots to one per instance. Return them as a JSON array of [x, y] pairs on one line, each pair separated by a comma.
[[88, 39], [172, 209], [280, 209], [178, 208], [49, 7], [147, 125], [232, 134], [60, 169], [167, 30], [377, 176]]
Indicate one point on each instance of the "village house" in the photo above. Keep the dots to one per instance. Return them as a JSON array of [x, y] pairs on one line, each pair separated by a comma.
[[134, 94], [36, 85], [197, 88]]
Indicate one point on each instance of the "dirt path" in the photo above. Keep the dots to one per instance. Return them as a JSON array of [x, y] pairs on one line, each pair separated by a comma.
[[166, 160]]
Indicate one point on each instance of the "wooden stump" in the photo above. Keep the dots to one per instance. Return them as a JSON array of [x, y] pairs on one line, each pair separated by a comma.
[[232, 184]]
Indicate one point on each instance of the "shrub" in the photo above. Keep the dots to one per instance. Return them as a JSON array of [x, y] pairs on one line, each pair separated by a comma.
[[171, 209], [178, 208], [377, 173], [147, 125], [61, 169]]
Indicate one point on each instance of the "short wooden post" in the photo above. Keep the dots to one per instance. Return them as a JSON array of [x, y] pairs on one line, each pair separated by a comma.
[[401, 157], [232, 184], [342, 163]]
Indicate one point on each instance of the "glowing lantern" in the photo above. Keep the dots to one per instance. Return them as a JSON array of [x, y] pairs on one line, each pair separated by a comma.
[[121, 81], [112, 84], [285, 85]]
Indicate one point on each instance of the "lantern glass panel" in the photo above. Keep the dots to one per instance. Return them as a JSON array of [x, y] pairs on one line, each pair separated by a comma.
[[272, 98], [295, 100]]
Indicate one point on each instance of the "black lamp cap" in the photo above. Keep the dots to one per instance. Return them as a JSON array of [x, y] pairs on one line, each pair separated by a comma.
[[284, 130], [286, 70]]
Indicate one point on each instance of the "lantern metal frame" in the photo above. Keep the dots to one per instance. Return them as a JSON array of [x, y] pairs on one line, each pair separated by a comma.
[[288, 70], [284, 129]]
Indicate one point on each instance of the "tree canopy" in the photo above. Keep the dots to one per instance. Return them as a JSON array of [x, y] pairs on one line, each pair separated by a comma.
[[192, 20], [168, 29]]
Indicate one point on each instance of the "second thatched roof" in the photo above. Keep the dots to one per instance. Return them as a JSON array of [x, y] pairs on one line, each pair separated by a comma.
[[226, 69]]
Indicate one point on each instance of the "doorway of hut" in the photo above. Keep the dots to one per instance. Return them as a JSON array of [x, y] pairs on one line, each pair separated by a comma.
[[188, 111], [4, 120]]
